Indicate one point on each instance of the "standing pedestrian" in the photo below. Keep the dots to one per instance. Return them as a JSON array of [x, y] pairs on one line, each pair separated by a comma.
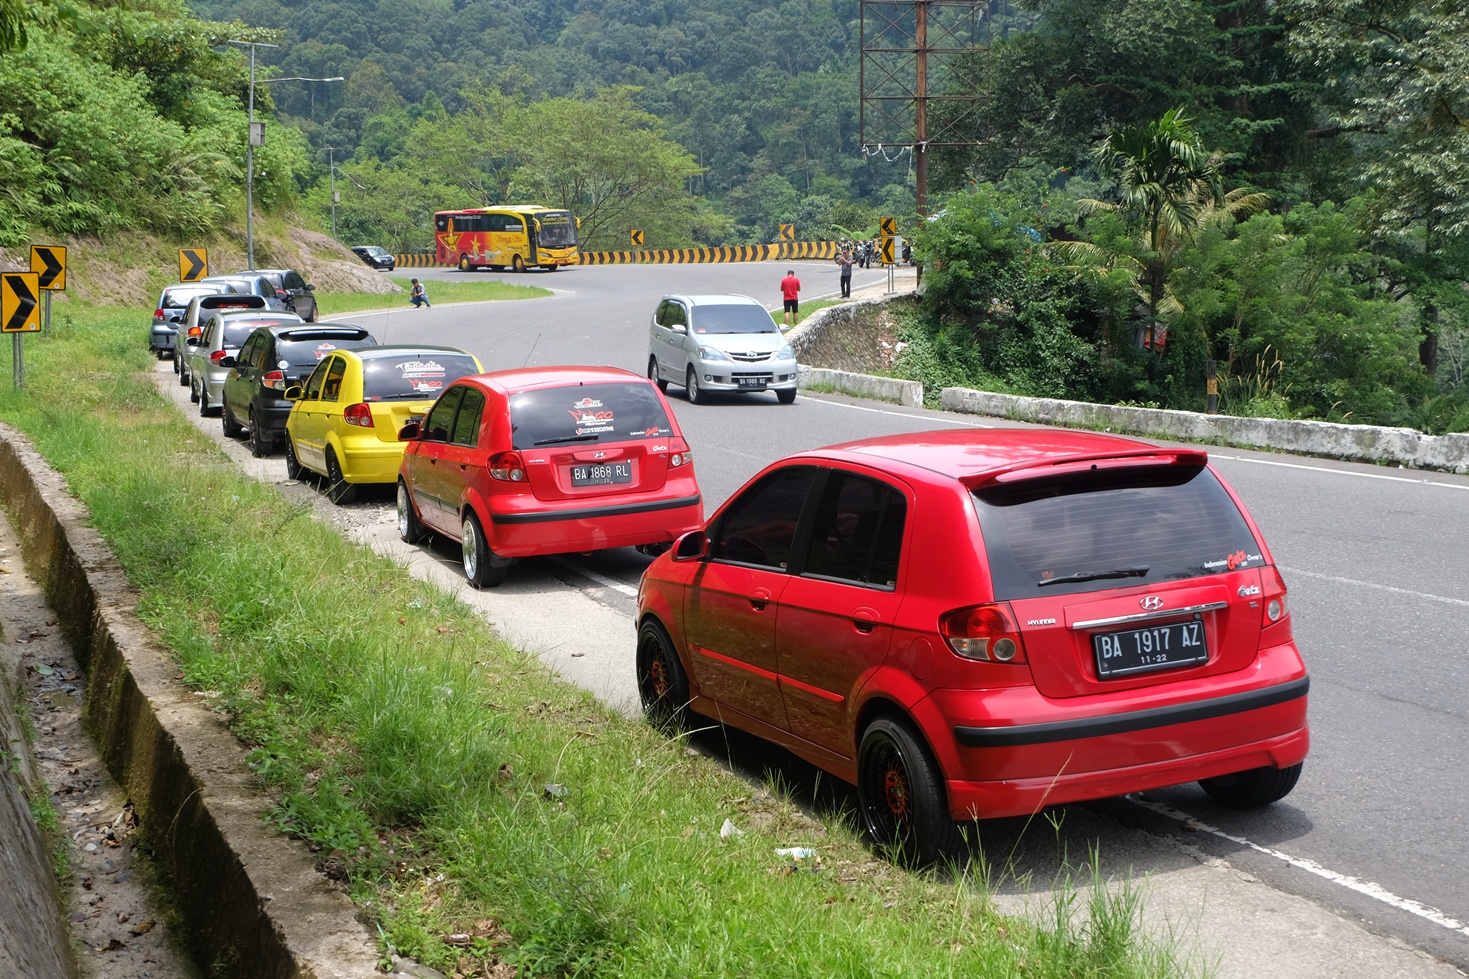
[[845, 260], [790, 291], [418, 296]]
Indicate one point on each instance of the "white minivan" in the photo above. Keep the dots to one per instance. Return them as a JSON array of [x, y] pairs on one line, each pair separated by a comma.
[[719, 343]]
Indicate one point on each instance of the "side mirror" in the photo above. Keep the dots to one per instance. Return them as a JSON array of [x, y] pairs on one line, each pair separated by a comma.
[[680, 329], [310, 287], [693, 546], [295, 392], [227, 361], [409, 432], [191, 341]]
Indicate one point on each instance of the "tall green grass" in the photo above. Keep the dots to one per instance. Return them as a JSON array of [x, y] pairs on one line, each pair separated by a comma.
[[440, 292], [479, 810]]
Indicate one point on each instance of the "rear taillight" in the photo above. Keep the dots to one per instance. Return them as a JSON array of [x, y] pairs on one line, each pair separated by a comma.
[[158, 314], [1273, 586], [217, 356], [196, 331], [684, 458], [983, 632], [359, 415], [507, 466], [275, 380]]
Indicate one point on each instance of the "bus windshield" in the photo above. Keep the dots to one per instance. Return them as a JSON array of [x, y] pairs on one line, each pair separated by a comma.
[[558, 230]]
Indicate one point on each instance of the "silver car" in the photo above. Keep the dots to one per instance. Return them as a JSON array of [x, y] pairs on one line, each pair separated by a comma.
[[197, 313], [719, 343], [222, 336]]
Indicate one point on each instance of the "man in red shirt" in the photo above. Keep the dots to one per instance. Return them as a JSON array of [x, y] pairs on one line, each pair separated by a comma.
[[790, 291]]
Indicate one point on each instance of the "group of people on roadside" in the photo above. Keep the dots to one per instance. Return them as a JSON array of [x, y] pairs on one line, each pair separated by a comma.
[[849, 254]]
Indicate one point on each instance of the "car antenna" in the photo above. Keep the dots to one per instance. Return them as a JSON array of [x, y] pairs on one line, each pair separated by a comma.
[[531, 350]]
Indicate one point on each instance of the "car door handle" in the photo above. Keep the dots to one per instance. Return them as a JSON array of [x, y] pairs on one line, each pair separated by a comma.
[[759, 598], [864, 619]]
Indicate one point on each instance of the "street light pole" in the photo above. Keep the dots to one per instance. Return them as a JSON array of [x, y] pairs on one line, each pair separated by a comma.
[[332, 168], [257, 138]]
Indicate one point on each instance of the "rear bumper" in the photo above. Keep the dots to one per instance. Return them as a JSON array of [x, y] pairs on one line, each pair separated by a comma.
[[595, 528], [1010, 751], [161, 338], [368, 459]]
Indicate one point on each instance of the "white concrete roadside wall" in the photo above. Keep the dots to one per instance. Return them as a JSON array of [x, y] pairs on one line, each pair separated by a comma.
[[906, 393], [1362, 443]]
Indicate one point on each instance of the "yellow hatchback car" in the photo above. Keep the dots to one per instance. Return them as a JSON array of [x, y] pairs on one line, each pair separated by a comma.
[[345, 419]]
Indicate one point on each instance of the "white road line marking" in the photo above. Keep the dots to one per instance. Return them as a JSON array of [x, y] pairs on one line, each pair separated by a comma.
[[1372, 584], [901, 414], [1366, 887], [1342, 472], [603, 580]]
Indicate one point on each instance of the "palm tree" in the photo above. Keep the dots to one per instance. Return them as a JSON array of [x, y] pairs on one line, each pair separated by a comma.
[[1172, 189]]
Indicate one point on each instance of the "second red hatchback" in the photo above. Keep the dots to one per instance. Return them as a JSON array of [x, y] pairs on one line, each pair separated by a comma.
[[547, 460]]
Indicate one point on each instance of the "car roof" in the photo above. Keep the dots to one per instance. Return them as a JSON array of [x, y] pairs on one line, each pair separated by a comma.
[[529, 378], [715, 299], [974, 454], [399, 349]]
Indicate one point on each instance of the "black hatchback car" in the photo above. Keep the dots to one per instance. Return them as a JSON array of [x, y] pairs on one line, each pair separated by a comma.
[[298, 294], [272, 359]]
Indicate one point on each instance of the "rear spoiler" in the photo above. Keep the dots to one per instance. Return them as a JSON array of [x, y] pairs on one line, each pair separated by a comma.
[[232, 301], [1144, 457]]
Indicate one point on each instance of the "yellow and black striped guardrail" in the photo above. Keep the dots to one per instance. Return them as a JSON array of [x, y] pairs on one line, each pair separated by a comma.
[[677, 256]]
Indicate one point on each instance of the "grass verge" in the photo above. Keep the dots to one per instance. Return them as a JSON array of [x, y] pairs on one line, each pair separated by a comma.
[[439, 292], [479, 811]]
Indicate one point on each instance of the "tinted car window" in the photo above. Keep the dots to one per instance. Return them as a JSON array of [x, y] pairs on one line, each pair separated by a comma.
[[733, 318], [331, 388], [466, 423], [1056, 535], [587, 413], [858, 531], [413, 378], [301, 349], [294, 281], [759, 527], [313, 383], [441, 416]]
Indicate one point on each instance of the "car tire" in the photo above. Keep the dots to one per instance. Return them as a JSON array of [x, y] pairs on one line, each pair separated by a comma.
[[476, 554], [194, 395], [663, 686], [338, 490], [183, 376], [1253, 788], [786, 397], [653, 374], [232, 430], [900, 793], [175, 358], [517, 264], [464, 265], [691, 388], [293, 464], [410, 529], [260, 445], [204, 406]]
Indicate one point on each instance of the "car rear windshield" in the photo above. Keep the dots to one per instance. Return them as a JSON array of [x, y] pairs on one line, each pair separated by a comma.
[[305, 348], [1113, 528], [587, 413], [235, 334], [179, 298], [413, 376], [733, 318]]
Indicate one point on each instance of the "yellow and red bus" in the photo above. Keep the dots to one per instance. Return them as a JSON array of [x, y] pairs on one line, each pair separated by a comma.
[[519, 236]]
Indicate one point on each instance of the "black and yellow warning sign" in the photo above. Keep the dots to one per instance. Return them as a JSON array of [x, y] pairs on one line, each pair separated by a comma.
[[193, 264], [19, 310], [636, 237], [49, 264], [887, 250], [888, 227], [788, 232]]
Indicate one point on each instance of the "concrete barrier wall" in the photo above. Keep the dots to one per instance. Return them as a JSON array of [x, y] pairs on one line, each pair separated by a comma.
[[1359, 443], [890, 389], [33, 940], [253, 905]]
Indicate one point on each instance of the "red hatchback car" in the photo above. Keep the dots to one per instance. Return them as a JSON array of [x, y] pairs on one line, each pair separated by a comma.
[[547, 460], [971, 624]]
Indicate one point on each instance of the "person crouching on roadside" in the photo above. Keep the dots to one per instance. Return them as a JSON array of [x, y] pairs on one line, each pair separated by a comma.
[[418, 296]]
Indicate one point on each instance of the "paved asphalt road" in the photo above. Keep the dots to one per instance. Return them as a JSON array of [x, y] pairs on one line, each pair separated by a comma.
[[1373, 842]]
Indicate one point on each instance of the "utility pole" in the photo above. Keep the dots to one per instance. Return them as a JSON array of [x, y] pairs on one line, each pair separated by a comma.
[[257, 138], [332, 167]]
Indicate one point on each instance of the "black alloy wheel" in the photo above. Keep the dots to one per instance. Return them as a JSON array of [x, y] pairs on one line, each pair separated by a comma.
[[260, 443], [663, 686], [231, 429], [338, 490], [293, 464], [900, 790]]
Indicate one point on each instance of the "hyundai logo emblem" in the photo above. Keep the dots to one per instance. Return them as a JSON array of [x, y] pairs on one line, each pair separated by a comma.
[[1152, 603]]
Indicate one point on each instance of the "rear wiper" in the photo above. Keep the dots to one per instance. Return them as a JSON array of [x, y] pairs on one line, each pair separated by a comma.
[[566, 438], [1134, 571]]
